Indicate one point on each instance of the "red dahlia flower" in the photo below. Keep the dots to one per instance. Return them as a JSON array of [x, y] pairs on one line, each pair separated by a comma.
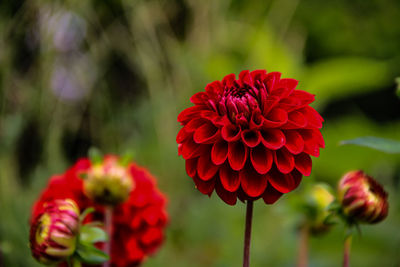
[[137, 224], [249, 138]]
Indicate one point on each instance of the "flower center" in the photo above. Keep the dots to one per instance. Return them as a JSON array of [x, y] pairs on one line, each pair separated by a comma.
[[238, 103]]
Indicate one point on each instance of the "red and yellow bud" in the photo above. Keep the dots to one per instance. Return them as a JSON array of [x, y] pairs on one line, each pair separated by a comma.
[[362, 198], [108, 183], [53, 233]]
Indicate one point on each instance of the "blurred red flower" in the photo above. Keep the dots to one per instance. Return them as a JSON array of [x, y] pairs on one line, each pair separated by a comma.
[[138, 223], [362, 198], [249, 138]]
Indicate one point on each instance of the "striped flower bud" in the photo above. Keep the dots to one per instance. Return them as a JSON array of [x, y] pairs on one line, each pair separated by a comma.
[[362, 198], [108, 183], [54, 230]]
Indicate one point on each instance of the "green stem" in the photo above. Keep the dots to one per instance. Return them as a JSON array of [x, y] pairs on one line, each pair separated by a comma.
[[76, 263]]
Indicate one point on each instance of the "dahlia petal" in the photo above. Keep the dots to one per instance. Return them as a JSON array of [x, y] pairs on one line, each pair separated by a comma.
[[256, 120], [271, 79], [261, 158], [205, 133], [269, 104], [189, 149], [182, 135], [294, 142], [271, 195], [272, 138], [311, 142], [151, 235], [229, 178], [219, 152], [214, 88], [230, 132], [275, 118], [304, 97], [284, 183], [303, 163], [284, 160], [194, 124], [258, 74], [229, 80], [251, 137], [296, 120], [199, 98], [237, 155], [253, 183], [245, 77], [191, 167], [312, 116], [228, 197], [205, 168], [205, 187], [288, 84], [188, 114]]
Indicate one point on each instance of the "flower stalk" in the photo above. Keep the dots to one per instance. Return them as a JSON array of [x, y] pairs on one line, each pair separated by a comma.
[[346, 251], [302, 257], [108, 211], [247, 233]]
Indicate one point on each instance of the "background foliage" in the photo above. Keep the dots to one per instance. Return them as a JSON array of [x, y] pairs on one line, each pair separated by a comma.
[[115, 74]]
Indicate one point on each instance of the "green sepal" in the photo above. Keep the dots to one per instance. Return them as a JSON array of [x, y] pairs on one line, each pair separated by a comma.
[[91, 234], [331, 219], [126, 158], [90, 254], [398, 86], [85, 213], [83, 175], [95, 155]]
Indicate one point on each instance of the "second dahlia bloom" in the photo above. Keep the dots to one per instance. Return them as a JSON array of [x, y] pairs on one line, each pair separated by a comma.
[[250, 137], [362, 198], [54, 231], [138, 223]]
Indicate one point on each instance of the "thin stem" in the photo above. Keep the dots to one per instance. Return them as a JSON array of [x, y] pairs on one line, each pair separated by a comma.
[[302, 257], [346, 252], [76, 263], [247, 233], [108, 210]]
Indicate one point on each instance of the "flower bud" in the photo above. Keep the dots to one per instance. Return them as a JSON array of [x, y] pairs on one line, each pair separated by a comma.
[[108, 183], [53, 233], [362, 198], [319, 199]]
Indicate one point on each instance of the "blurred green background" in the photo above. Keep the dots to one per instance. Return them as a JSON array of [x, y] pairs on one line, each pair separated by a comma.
[[115, 74]]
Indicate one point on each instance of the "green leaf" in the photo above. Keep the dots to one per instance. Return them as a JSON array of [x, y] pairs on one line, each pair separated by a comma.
[[95, 155], [398, 86], [381, 144], [91, 255], [90, 234], [85, 213]]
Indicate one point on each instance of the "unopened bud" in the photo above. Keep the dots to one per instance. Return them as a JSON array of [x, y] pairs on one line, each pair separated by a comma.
[[319, 199], [108, 183], [54, 231], [362, 198]]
